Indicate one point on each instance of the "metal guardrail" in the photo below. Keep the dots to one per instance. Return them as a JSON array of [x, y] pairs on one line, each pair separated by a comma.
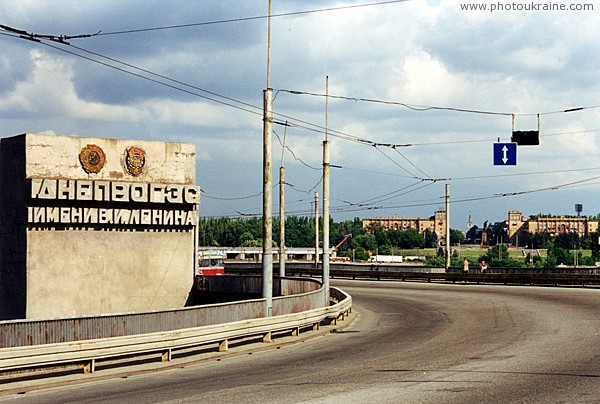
[[497, 278], [87, 352], [582, 277], [298, 295]]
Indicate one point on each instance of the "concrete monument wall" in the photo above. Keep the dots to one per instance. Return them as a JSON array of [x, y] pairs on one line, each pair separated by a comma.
[[94, 226]]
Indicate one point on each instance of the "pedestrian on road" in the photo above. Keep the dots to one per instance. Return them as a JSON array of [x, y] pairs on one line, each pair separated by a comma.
[[483, 267], [465, 265]]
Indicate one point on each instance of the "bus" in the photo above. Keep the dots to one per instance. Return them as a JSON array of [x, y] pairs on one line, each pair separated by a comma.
[[210, 263]]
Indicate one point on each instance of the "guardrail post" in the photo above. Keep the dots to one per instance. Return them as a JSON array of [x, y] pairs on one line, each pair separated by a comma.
[[90, 366], [316, 326], [224, 345], [267, 337], [296, 332], [166, 356]]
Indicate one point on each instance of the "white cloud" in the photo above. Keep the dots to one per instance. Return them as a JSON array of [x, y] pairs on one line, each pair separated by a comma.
[[416, 52], [428, 81], [50, 91], [531, 58]]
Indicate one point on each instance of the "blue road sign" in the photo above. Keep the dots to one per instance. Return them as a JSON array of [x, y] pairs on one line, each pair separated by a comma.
[[505, 154]]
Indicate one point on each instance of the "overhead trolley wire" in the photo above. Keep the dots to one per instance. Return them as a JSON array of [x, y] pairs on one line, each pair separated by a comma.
[[457, 200], [424, 108], [257, 110], [179, 85], [286, 147], [242, 19], [389, 195], [245, 106], [302, 124]]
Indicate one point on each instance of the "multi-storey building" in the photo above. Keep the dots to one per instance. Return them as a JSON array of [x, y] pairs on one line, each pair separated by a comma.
[[435, 224], [517, 226]]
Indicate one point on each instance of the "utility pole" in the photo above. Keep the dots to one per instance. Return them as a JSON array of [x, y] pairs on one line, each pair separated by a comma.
[[316, 230], [267, 256], [447, 227], [282, 255], [326, 198]]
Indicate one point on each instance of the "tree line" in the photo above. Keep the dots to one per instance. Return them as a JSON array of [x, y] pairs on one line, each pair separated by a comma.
[[300, 232]]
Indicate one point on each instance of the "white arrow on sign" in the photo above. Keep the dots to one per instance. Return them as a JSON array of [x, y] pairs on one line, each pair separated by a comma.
[[505, 154]]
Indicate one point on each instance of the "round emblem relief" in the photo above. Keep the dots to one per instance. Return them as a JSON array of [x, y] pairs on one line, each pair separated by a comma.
[[92, 159], [135, 159]]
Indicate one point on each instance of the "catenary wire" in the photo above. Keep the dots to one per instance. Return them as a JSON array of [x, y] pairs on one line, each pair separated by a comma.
[[298, 123], [423, 108], [180, 89], [241, 19], [168, 85]]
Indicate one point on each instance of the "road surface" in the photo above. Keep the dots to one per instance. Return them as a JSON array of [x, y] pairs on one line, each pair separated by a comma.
[[409, 343]]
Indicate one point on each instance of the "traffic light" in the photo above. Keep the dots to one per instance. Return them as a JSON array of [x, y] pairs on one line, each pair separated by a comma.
[[526, 137]]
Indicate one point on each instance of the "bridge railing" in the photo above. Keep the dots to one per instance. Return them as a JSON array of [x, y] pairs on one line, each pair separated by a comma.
[[54, 342], [559, 276]]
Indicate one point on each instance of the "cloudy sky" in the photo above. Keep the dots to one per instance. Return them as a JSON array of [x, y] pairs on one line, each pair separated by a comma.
[[200, 79]]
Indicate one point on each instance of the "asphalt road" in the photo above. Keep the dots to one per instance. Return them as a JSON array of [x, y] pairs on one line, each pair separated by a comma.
[[409, 343]]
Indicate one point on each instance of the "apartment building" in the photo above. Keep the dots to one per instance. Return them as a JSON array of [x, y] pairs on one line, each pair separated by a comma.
[[435, 224], [518, 226]]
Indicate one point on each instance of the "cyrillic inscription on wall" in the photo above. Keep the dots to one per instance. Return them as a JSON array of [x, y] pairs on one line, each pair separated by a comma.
[[89, 202]]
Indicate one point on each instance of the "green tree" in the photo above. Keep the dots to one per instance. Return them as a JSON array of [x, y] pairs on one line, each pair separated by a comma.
[[341, 230], [495, 253], [246, 239], [411, 238], [436, 262], [430, 239], [551, 261], [439, 261], [385, 237], [361, 254], [558, 255], [568, 241], [585, 261], [300, 231], [534, 261], [364, 242], [456, 237], [497, 256], [594, 245], [541, 240], [385, 249]]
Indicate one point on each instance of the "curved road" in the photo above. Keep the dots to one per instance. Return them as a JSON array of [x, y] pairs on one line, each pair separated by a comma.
[[409, 343]]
